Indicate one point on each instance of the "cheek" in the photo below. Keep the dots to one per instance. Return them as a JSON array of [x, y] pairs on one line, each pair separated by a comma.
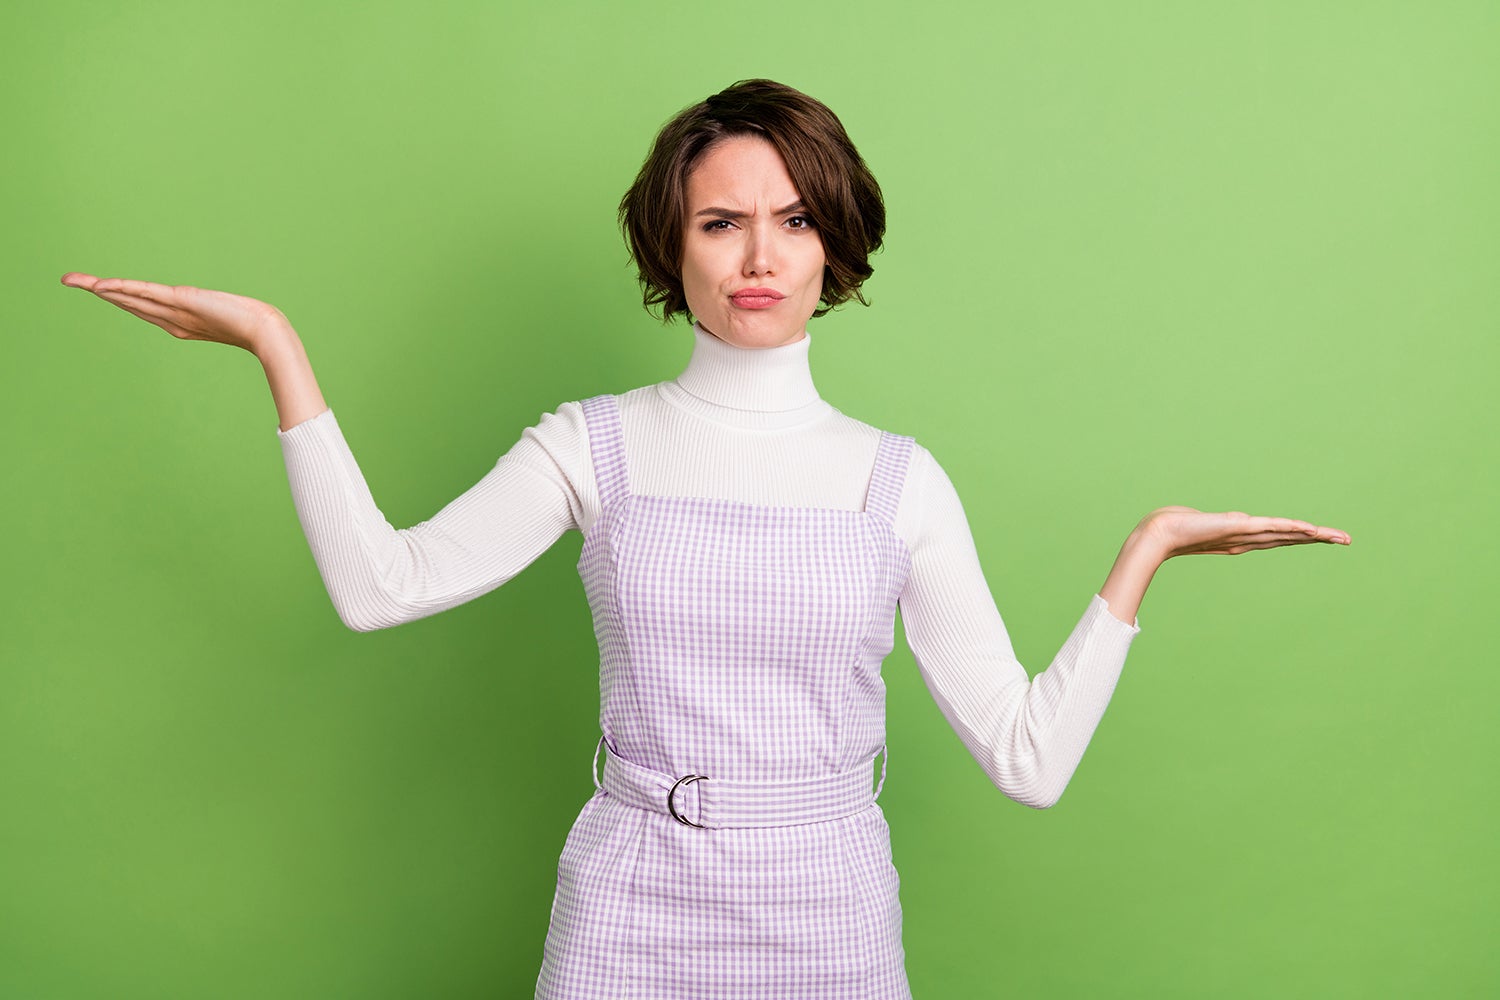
[[697, 264], [698, 280], [817, 266]]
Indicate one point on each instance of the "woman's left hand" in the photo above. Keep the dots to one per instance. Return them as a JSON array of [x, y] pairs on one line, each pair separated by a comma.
[[1180, 531]]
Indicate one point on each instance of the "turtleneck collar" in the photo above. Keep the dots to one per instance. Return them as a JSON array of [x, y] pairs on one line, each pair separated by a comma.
[[762, 388]]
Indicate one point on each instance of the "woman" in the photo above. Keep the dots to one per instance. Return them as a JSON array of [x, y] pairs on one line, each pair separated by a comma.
[[746, 546]]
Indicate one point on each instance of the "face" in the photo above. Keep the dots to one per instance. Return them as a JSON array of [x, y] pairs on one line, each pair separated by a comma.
[[752, 262]]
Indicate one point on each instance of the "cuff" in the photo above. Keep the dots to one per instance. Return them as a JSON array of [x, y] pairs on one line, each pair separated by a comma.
[[324, 417], [1099, 606]]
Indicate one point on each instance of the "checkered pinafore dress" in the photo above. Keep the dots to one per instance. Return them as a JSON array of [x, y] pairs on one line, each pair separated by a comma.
[[733, 848]]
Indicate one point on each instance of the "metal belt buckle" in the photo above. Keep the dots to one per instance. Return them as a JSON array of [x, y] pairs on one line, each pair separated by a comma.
[[686, 779]]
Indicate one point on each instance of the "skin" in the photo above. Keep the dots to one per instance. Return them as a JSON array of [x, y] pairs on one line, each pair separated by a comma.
[[744, 229]]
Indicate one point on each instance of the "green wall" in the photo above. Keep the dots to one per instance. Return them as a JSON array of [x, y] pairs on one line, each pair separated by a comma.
[[1237, 256]]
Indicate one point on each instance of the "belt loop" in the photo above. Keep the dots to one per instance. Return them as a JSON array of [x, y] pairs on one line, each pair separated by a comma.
[[885, 758], [594, 767]]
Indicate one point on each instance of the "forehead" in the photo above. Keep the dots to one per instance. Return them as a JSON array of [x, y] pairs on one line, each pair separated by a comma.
[[742, 170]]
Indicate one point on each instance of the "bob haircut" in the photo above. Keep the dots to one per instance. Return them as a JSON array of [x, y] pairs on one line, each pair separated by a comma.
[[838, 190]]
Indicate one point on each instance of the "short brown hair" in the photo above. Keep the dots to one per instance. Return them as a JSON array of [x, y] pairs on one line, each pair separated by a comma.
[[838, 190]]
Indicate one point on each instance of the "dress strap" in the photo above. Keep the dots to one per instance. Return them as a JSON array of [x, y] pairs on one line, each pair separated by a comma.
[[889, 477], [607, 447]]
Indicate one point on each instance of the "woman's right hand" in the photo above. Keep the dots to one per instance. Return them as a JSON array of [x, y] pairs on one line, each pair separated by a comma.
[[190, 313]]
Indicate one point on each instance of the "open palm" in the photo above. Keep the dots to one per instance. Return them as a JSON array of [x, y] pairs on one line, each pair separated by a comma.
[[1180, 531], [186, 312]]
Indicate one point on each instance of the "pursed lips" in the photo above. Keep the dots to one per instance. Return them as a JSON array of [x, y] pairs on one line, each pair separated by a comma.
[[756, 298]]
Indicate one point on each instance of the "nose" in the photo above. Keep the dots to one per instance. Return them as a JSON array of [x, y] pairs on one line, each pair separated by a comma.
[[760, 252]]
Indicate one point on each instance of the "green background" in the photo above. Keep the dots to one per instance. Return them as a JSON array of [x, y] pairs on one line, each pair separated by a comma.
[[1237, 256]]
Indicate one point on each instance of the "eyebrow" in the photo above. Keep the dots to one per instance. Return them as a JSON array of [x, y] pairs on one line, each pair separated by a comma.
[[727, 213]]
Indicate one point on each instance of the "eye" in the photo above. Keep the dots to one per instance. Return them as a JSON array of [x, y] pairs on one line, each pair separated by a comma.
[[800, 222], [717, 226]]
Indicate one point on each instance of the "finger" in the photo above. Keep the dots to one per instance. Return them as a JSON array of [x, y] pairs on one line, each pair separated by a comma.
[[1292, 537], [77, 279], [1319, 533], [146, 309], [1232, 548], [1325, 536], [1269, 544], [122, 299], [1307, 531], [1233, 544], [1282, 524], [165, 324], [1314, 531], [1334, 535], [141, 289]]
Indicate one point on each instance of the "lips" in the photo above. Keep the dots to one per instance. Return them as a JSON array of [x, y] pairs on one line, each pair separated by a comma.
[[756, 298]]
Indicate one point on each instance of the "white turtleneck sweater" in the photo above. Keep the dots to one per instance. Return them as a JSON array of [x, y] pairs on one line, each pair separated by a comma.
[[737, 424]]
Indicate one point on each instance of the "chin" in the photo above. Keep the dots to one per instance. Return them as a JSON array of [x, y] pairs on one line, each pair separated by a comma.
[[753, 335]]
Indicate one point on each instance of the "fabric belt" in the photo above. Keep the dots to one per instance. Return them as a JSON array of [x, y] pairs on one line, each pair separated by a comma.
[[708, 803]]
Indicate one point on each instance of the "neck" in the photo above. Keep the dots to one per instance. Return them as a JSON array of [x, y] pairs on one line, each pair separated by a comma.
[[768, 387]]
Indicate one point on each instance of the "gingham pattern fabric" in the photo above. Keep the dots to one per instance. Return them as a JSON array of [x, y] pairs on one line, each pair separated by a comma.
[[743, 643], [716, 804]]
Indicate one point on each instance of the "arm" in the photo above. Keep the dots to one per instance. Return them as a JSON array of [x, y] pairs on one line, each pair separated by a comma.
[[294, 388], [189, 313], [377, 575], [1179, 531], [1029, 735]]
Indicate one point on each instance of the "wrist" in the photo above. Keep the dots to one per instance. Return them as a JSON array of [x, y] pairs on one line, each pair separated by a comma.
[[1125, 587], [1144, 548], [274, 340]]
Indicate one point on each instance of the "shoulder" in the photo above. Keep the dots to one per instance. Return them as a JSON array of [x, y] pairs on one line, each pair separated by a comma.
[[645, 395], [927, 496], [563, 435], [567, 427], [557, 448], [562, 431], [920, 465], [853, 430]]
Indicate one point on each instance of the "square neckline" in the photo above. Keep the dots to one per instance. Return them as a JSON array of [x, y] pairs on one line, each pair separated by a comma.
[[606, 442]]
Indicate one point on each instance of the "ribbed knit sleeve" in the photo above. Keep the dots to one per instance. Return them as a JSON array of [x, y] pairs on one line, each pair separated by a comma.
[[379, 576], [1027, 735]]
